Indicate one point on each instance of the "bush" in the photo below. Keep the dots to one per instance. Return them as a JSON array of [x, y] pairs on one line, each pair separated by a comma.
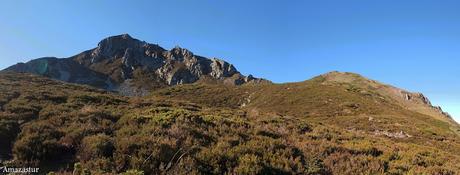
[[133, 172], [94, 99], [8, 132], [346, 163], [249, 164], [96, 146], [40, 143]]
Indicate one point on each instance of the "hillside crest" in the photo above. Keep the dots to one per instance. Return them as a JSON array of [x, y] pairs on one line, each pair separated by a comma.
[[412, 100]]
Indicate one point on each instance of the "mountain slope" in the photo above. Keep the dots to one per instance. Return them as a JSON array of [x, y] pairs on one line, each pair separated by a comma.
[[133, 67], [65, 127], [345, 93], [347, 104]]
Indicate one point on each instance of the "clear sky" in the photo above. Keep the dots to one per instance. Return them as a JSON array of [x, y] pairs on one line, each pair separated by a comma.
[[413, 44]]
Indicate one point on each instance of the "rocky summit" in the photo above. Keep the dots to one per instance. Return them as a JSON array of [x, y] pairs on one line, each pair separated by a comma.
[[133, 67]]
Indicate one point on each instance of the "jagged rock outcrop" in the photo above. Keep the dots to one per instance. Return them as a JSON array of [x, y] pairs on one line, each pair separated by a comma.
[[122, 63], [416, 97]]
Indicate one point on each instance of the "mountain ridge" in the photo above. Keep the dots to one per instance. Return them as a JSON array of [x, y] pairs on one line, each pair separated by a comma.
[[132, 67]]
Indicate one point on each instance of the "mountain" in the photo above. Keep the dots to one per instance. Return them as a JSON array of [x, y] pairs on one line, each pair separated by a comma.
[[133, 67], [129, 107]]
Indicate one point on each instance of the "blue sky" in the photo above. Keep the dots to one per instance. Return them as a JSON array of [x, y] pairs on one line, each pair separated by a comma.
[[413, 44]]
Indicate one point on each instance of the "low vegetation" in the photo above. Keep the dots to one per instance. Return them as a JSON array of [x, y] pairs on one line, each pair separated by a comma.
[[205, 129]]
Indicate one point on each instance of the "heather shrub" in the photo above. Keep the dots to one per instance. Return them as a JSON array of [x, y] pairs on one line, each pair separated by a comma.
[[96, 146], [38, 142]]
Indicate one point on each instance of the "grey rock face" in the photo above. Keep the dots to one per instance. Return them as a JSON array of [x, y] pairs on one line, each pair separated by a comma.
[[125, 64], [64, 70], [220, 69], [112, 46], [417, 97]]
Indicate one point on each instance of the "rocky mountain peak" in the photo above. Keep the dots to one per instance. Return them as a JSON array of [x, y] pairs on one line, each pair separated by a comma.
[[128, 65], [116, 46], [178, 53], [220, 68]]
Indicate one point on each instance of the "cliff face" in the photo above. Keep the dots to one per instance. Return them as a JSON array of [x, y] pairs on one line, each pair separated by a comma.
[[133, 67]]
